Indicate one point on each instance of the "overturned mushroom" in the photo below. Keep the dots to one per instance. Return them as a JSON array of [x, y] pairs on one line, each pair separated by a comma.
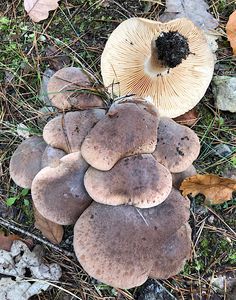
[[25, 162], [71, 88], [68, 131], [137, 180], [134, 243], [169, 63], [127, 129], [58, 192], [177, 145]]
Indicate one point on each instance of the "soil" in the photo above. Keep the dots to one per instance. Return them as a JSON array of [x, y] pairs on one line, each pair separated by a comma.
[[172, 48]]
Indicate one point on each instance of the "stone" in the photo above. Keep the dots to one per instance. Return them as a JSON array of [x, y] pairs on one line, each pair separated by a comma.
[[153, 290], [224, 90], [43, 94], [222, 150]]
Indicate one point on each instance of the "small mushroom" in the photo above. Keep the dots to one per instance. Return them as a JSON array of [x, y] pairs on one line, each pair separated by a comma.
[[137, 180], [130, 241], [58, 192], [177, 145], [127, 129], [68, 131], [177, 178], [71, 88], [25, 162], [169, 63], [51, 156]]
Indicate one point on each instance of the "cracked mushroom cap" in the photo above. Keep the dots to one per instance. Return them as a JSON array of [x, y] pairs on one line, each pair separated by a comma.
[[137, 180], [71, 88], [127, 129], [25, 162], [177, 145], [58, 192], [131, 241], [168, 63], [68, 131], [51, 156]]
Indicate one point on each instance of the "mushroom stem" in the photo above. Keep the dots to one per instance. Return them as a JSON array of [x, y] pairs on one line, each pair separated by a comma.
[[168, 49]]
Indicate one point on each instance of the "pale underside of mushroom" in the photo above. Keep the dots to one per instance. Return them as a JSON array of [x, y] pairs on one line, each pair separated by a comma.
[[126, 65], [137, 180], [25, 162], [58, 192], [133, 243]]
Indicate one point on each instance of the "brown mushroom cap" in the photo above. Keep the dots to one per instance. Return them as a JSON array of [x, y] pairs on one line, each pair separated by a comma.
[[68, 131], [58, 192], [51, 156], [173, 254], [128, 240], [137, 180], [130, 63], [25, 162], [177, 145], [127, 129], [71, 88], [177, 178]]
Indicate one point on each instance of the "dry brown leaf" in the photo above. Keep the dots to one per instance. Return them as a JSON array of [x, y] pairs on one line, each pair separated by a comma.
[[231, 31], [38, 10], [189, 118], [7, 240], [52, 231], [216, 189], [194, 10]]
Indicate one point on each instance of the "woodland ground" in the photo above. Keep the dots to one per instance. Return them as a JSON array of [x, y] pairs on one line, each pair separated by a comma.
[[75, 34]]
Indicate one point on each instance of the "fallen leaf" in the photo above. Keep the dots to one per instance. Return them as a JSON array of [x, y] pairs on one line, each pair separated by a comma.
[[195, 10], [189, 118], [216, 189], [19, 261], [52, 231], [231, 31], [7, 240], [38, 10]]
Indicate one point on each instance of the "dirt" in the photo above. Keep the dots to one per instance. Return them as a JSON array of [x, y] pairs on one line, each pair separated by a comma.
[[172, 48]]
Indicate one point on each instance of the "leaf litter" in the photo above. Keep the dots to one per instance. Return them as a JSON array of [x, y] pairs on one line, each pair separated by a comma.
[[216, 189], [18, 263]]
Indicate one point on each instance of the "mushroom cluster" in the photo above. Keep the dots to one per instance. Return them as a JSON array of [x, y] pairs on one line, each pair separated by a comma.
[[114, 173]]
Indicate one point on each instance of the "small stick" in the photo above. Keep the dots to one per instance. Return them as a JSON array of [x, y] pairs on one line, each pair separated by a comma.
[[214, 213], [35, 237], [142, 217]]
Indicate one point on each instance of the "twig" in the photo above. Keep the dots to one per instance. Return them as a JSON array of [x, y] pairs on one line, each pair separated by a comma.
[[214, 213], [142, 217], [35, 237]]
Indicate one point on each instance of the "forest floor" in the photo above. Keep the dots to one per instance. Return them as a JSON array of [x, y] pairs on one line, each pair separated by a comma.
[[75, 34]]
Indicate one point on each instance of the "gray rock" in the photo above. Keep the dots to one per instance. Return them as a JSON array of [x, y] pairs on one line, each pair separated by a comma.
[[230, 172], [43, 94], [222, 150], [154, 290], [224, 90]]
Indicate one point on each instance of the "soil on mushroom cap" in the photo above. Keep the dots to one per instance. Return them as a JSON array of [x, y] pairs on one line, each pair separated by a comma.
[[172, 48]]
